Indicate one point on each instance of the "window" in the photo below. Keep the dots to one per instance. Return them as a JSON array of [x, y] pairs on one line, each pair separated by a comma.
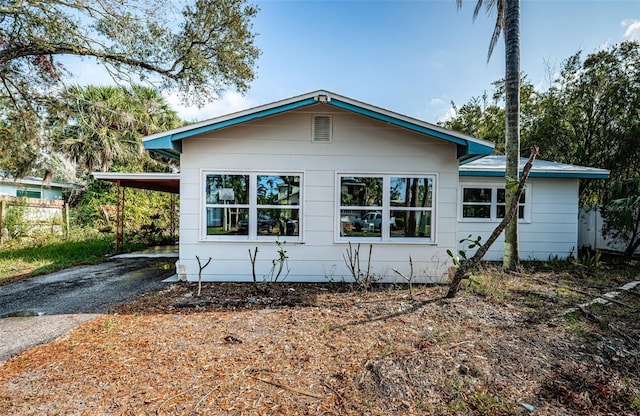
[[488, 203], [386, 207], [20, 193], [250, 206]]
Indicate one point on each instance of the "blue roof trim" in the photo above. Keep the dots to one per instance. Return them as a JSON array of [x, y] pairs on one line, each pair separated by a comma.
[[569, 175], [470, 147], [244, 119], [396, 122]]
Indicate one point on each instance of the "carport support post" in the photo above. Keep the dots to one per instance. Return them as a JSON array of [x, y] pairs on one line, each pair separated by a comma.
[[119, 218], [3, 211]]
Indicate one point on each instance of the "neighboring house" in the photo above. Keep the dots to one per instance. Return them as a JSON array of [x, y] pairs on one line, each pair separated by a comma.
[[548, 213], [42, 201], [322, 172], [31, 187]]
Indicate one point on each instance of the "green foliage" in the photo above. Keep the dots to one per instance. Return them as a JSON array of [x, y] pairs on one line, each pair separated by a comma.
[[147, 214], [98, 127], [198, 51], [588, 116], [621, 215], [459, 260], [14, 220], [50, 253]]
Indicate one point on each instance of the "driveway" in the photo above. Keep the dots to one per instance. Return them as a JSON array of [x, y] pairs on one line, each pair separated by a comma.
[[40, 309]]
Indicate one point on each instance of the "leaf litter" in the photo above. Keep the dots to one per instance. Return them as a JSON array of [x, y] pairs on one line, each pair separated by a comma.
[[502, 348]]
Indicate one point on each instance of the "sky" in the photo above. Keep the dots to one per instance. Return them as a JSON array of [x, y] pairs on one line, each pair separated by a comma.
[[412, 57]]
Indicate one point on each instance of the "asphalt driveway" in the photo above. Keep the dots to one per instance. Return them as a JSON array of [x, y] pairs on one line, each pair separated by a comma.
[[41, 309]]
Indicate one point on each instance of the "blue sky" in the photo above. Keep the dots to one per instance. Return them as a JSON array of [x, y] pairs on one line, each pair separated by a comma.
[[413, 57]]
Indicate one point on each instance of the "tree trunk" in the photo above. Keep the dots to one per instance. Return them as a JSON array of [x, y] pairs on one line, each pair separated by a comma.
[[510, 213], [512, 111]]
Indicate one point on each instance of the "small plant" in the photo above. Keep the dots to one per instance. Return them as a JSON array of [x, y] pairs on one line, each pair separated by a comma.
[[363, 279], [458, 261], [591, 259], [409, 278], [278, 265], [201, 268]]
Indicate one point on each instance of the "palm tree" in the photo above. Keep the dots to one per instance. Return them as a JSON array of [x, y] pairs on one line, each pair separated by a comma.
[[508, 20], [97, 126]]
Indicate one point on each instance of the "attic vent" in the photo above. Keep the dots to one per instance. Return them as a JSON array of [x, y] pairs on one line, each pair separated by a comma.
[[321, 129]]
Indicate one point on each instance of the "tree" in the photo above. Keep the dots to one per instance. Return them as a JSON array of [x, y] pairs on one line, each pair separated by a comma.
[[99, 126], [590, 116], [622, 215], [198, 51], [508, 19]]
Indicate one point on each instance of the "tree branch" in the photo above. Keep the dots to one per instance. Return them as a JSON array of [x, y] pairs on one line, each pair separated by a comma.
[[467, 265]]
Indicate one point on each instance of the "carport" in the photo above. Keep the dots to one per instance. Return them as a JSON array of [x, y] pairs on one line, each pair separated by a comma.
[[161, 182]]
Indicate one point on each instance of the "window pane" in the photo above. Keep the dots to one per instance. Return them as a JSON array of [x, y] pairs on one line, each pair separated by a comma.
[[501, 210], [361, 191], [227, 221], [278, 190], [233, 189], [476, 195], [410, 224], [282, 222], [411, 192], [502, 193], [360, 223], [476, 211]]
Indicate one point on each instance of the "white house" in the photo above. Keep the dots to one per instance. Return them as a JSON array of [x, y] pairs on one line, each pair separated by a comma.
[[548, 213], [319, 172]]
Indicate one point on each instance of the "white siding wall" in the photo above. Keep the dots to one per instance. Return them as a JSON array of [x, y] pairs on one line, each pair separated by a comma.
[[283, 143], [553, 229]]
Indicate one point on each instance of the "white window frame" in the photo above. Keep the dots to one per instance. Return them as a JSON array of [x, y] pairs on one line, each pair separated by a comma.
[[253, 206], [385, 208], [494, 203]]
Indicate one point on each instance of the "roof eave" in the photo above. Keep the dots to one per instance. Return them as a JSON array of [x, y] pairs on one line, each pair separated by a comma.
[[171, 141]]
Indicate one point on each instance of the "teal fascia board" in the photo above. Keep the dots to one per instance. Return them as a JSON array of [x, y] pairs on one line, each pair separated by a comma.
[[470, 147], [567, 175], [163, 143], [243, 119], [173, 142]]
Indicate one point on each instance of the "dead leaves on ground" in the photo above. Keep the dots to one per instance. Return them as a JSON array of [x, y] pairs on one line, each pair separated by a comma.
[[310, 351]]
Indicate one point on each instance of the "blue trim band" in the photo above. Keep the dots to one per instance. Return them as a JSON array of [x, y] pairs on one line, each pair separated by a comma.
[[569, 175]]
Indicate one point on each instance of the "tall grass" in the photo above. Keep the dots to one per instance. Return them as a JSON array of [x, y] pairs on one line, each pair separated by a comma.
[[22, 259]]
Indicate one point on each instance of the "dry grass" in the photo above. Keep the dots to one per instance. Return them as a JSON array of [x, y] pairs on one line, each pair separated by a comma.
[[498, 348]]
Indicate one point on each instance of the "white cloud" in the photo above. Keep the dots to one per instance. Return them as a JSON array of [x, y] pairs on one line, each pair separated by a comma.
[[230, 102], [633, 29], [437, 101], [446, 114]]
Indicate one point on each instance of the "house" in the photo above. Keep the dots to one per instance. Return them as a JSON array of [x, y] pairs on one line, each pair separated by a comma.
[[32, 187], [41, 201], [548, 213], [314, 176]]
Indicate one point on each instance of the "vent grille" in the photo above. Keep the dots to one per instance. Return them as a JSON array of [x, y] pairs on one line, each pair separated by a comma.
[[321, 129]]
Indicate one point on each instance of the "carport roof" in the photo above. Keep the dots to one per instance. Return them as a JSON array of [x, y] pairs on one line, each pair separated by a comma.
[[164, 182]]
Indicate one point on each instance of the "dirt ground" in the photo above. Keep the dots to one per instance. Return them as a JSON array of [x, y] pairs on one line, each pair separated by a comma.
[[507, 346]]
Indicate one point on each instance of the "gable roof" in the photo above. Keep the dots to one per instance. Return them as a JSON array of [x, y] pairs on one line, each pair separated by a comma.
[[494, 166], [169, 143]]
